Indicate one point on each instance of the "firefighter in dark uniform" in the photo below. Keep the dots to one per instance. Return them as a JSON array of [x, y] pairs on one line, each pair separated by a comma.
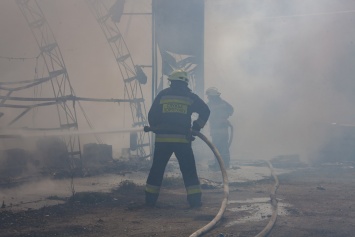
[[170, 117], [219, 125]]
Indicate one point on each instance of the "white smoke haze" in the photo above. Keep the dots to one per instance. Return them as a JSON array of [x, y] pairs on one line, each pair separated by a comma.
[[277, 62], [285, 66]]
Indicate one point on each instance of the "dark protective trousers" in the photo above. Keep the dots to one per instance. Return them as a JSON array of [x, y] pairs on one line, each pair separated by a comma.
[[185, 157], [220, 139]]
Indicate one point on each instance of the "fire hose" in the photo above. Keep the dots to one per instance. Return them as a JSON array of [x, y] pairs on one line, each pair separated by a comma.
[[219, 215], [223, 207], [23, 133], [273, 200]]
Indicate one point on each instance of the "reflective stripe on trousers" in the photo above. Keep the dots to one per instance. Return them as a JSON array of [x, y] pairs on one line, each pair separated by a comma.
[[185, 157], [193, 189], [152, 189]]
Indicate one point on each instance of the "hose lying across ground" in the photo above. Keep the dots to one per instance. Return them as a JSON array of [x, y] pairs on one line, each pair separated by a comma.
[[221, 211], [273, 200], [219, 215]]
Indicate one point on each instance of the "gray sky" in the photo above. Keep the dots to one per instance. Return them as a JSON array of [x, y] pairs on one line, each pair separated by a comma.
[[285, 66]]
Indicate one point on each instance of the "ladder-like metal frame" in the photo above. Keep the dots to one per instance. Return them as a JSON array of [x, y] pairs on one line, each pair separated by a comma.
[[57, 75], [128, 70]]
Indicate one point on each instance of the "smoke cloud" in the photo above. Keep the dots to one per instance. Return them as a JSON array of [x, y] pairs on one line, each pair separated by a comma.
[[285, 66]]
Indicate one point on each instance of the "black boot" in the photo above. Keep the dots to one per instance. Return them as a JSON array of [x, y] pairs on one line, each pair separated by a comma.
[[194, 200], [150, 199]]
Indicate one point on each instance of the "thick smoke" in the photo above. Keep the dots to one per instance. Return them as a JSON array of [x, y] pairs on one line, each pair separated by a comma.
[[286, 66], [287, 69]]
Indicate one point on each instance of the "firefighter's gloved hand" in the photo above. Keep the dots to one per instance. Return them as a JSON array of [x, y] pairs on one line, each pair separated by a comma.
[[147, 129], [189, 136], [196, 127]]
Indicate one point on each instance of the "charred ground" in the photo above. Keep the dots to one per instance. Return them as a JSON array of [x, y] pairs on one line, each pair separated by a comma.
[[320, 203]]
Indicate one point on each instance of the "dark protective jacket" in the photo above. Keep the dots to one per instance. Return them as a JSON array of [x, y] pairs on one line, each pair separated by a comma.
[[220, 112], [171, 113]]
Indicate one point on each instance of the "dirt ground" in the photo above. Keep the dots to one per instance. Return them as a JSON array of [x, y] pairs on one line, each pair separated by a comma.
[[313, 202]]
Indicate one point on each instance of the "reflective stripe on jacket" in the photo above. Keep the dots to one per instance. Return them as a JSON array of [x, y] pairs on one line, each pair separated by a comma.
[[172, 110], [171, 138]]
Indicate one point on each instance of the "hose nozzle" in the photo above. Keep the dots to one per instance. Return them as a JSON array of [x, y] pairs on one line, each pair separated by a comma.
[[147, 129]]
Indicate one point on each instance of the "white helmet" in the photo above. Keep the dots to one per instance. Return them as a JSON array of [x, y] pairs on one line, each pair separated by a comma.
[[178, 75], [212, 91]]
